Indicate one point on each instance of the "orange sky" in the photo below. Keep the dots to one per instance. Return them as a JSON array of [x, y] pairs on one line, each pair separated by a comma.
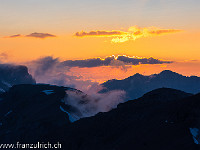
[[178, 46], [166, 30], [182, 47]]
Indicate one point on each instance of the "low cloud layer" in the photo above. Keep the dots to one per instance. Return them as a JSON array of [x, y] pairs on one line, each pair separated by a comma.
[[81, 105], [34, 35], [133, 33], [112, 61], [51, 70]]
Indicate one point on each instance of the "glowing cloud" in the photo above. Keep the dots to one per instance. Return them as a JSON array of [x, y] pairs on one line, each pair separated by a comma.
[[99, 33], [133, 33]]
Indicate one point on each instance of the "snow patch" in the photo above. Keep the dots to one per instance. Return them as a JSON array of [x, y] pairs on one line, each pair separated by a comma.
[[72, 118], [2, 90], [48, 92], [196, 136], [8, 113], [7, 84], [62, 100], [166, 121]]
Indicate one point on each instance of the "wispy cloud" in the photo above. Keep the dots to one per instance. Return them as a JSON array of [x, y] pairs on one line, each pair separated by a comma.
[[14, 36], [34, 35], [133, 33], [98, 33], [40, 35]]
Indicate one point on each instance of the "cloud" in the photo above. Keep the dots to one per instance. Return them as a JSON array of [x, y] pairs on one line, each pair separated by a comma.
[[81, 105], [34, 35], [133, 33], [45, 65], [14, 36], [112, 61], [51, 70], [98, 33], [93, 62], [40, 35], [141, 60]]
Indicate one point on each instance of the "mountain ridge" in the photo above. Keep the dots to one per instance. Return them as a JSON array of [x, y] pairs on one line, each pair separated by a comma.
[[137, 85]]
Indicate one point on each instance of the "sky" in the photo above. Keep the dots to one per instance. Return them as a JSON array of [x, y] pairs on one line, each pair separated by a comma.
[[167, 30]]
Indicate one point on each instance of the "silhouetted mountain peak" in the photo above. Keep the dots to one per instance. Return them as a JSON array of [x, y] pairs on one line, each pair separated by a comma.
[[168, 73], [135, 76], [137, 85]]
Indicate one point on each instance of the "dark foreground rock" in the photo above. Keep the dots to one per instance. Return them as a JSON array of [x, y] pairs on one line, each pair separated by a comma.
[[162, 119]]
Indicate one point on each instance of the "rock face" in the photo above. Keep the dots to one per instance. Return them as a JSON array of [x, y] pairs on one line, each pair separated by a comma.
[[11, 75], [137, 85], [161, 119], [30, 112]]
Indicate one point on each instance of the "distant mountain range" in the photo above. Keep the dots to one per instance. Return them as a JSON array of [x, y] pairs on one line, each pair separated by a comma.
[[137, 85], [161, 119], [11, 75]]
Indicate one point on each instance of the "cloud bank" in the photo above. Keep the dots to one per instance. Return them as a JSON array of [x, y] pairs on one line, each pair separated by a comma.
[[112, 61], [133, 33]]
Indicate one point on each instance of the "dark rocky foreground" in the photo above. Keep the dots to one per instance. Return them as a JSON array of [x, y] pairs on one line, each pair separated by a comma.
[[160, 120]]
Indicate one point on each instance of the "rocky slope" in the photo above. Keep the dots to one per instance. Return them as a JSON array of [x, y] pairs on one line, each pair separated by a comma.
[[161, 119]]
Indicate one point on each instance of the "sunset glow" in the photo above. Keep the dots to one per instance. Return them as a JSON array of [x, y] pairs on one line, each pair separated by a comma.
[[165, 30]]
